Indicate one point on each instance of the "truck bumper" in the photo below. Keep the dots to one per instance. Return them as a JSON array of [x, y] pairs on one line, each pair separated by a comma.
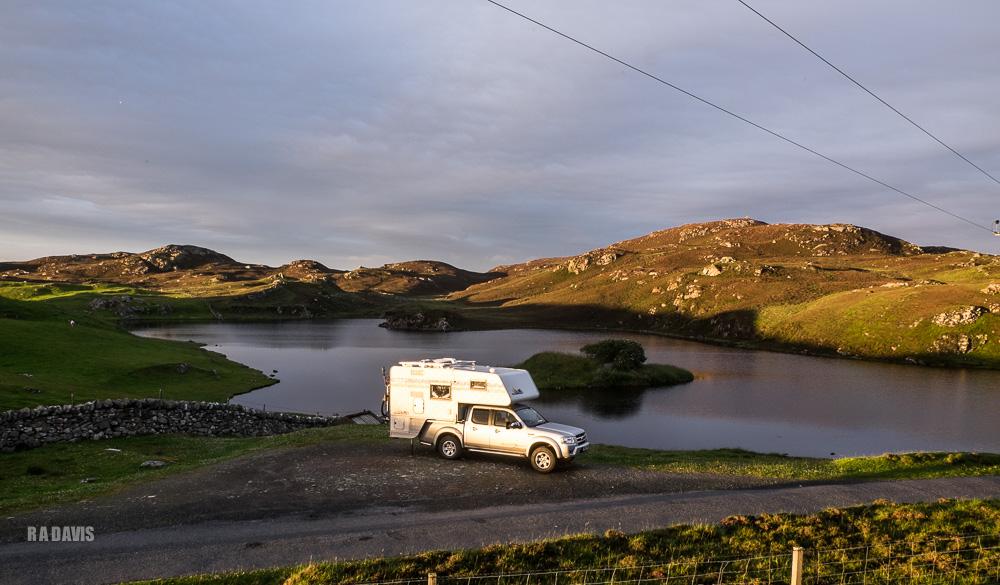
[[574, 450]]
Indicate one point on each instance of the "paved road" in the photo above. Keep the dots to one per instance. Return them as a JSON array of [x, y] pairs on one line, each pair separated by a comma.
[[291, 539]]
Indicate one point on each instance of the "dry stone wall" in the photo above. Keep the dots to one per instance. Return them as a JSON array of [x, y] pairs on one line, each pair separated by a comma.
[[102, 419]]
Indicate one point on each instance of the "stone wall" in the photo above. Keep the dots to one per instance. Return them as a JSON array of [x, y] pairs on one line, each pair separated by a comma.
[[102, 419]]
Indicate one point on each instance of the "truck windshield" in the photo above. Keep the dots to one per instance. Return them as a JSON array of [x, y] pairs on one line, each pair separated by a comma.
[[530, 416]]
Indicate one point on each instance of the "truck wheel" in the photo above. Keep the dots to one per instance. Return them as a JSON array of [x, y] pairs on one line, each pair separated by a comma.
[[449, 447], [543, 459]]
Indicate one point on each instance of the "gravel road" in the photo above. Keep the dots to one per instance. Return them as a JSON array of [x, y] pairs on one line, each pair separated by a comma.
[[339, 501]]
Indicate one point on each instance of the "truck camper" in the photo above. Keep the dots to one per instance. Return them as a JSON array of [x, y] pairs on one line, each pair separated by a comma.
[[456, 406]]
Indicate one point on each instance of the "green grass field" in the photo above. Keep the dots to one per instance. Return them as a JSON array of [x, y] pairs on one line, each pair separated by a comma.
[[692, 554], [46, 360]]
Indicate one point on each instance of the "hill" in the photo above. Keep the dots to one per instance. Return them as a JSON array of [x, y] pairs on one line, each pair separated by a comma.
[[190, 282], [417, 277], [835, 289]]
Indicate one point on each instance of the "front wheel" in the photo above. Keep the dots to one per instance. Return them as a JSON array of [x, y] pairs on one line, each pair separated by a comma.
[[449, 447], [543, 459]]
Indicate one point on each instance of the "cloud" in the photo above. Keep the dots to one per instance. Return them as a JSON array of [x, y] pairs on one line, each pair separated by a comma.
[[360, 133]]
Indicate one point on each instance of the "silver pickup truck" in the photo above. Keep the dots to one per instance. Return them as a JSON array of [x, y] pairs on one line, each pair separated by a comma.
[[517, 430], [459, 405]]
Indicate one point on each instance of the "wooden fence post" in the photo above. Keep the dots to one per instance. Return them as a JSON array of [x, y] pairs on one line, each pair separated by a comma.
[[798, 555]]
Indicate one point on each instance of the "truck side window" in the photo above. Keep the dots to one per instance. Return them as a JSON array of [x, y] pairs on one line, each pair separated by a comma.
[[502, 417], [480, 416]]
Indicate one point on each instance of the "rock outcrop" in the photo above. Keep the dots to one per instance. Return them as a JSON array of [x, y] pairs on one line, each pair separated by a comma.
[[963, 316]]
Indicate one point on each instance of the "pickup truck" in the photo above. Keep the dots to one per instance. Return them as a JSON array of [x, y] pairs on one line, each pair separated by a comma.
[[518, 430], [458, 405]]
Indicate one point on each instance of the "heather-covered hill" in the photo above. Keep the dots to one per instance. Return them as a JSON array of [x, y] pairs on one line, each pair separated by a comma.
[[195, 271], [417, 277], [819, 288]]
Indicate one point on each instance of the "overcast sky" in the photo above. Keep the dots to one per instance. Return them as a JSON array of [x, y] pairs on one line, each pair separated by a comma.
[[359, 133]]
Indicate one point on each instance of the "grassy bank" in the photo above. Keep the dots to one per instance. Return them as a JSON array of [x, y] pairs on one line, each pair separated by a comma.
[[52, 474], [748, 463], [44, 359], [917, 529], [563, 371]]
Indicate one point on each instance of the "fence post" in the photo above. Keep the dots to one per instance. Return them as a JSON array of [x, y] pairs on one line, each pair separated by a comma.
[[432, 579], [798, 554]]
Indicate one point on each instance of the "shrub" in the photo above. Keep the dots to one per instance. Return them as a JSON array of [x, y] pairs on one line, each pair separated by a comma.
[[622, 354]]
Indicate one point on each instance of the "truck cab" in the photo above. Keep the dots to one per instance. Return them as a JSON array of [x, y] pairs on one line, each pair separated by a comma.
[[457, 406]]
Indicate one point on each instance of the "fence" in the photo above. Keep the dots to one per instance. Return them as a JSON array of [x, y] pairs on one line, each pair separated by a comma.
[[968, 559]]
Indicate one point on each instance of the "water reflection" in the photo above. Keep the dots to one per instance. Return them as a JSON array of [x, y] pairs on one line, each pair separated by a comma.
[[614, 403], [755, 400]]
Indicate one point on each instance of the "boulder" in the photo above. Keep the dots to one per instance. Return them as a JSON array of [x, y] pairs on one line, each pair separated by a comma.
[[711, 270]]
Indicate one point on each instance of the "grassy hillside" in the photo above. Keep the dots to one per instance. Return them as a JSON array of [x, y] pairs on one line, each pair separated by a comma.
[[195, 272], [46, 360], [834, 289]]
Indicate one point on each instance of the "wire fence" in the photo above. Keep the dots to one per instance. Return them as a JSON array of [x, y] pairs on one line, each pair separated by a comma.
[[968, 560], [952, 559]]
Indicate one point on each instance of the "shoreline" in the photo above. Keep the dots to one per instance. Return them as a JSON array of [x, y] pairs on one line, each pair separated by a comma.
[[749, 345]]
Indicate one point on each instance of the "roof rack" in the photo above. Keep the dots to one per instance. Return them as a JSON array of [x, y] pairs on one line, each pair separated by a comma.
[[441, 363]]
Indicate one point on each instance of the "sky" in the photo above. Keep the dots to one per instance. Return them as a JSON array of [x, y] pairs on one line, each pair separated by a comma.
[[361, 133]]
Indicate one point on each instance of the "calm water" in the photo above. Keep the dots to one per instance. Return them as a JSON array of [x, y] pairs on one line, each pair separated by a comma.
[[755, 400]]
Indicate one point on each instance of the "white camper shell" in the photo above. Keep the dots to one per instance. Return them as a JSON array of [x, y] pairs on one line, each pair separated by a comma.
[[457, 406], [439, 389]]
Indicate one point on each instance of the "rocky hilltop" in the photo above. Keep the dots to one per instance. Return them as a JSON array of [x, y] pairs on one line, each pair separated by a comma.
[[185, 268], [417, 277], [837, 288]]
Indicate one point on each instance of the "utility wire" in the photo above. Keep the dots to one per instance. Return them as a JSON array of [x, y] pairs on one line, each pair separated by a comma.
[[739, 117], [870, 92]]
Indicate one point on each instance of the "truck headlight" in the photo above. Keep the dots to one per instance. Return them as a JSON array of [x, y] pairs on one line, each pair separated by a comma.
[[569, 440]]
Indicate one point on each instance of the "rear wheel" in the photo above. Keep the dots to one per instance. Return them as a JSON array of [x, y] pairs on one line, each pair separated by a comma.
[[449, 447], [543, 459]]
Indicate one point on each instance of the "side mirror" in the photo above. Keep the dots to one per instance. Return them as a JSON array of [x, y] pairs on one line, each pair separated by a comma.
[[513, 425]]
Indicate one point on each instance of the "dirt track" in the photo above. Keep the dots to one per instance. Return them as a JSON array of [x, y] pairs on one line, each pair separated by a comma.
[[334, 478]]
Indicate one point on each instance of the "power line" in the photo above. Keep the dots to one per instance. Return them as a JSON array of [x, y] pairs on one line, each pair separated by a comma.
[[739, 117], [870, 92]]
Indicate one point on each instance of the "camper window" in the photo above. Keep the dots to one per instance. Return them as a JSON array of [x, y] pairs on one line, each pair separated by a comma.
[[477, 384], [481, 416], [441, 392]]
